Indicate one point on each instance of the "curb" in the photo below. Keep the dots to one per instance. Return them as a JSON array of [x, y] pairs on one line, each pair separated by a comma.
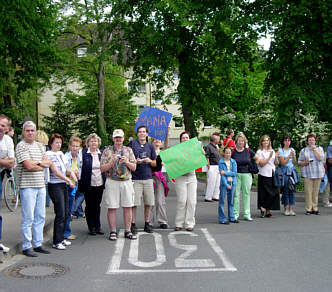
[[17, 249]]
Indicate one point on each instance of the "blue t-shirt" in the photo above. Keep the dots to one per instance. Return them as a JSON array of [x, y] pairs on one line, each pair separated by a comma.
[[285, 153], [144, 170]]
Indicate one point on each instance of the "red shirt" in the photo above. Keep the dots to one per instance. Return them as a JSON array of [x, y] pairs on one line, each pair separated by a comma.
[[231, 143]]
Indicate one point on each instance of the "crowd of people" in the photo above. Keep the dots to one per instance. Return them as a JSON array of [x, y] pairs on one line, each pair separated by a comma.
[[124, 176]]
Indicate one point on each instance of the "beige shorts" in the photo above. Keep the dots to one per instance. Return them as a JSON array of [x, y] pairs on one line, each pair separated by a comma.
[[144, 188], [118, 193]]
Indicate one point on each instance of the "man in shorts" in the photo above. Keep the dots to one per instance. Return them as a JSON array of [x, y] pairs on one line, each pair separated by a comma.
[[142, 177], [118, 161], [6, 162]]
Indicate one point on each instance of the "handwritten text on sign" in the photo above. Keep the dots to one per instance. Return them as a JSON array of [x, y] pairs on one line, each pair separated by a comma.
[[183, 158], [156, 120]]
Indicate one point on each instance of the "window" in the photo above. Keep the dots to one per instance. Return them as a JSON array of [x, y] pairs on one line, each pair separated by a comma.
[[137, 86], [158, 101], [207, 125], [140, 108], [178, 122], [81, 52]]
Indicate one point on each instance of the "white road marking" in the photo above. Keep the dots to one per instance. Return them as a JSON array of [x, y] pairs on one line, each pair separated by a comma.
[[160, 252], [227, 263], [115, 262], [182, 261], [182, 265]]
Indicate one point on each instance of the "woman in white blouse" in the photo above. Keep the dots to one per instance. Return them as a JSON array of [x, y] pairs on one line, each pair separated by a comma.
[[268, 195]]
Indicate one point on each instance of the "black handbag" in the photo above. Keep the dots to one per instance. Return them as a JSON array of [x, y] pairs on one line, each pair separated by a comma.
[[253, 168]]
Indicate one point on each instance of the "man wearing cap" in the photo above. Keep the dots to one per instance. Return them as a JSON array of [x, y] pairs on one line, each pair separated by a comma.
[[117, 162], [31, 162], [6, 162]]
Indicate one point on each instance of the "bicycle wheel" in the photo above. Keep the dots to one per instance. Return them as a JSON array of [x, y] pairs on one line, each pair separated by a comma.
[[11, 194]]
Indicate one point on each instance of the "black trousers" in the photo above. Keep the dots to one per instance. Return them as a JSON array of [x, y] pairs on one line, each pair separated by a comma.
[[93, 197], [59, 196]]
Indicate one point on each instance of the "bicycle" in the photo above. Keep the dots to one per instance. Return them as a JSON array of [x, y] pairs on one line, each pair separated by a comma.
[[10, 191]]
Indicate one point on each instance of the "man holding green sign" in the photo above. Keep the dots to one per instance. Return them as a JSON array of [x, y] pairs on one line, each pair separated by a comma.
[[180, 162]]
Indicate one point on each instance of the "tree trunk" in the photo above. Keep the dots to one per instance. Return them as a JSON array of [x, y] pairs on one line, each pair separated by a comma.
[[184, 91]]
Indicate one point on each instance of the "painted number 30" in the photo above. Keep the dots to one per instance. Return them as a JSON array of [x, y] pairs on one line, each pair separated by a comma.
[[184, 262]]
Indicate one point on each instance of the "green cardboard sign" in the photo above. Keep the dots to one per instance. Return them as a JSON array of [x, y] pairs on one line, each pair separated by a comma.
[[183, 158]]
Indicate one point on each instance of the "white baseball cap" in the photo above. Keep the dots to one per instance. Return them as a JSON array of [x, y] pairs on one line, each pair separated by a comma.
[[118, 133]]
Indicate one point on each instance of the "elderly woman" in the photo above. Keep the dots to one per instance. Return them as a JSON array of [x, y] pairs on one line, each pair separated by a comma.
[[311, 160], [57, 188], [92, 182], [268, 195], [243, 156], [186, 195]]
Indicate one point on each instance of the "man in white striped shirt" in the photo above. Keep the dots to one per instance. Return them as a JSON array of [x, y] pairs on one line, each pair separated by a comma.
[[31, 162]]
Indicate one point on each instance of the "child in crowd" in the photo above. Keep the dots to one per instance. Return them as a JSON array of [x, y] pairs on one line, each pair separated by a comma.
[[228, 171]]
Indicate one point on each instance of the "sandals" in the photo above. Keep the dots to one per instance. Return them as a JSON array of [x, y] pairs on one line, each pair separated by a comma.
[[129, 235], [113, 236], [177, 228]]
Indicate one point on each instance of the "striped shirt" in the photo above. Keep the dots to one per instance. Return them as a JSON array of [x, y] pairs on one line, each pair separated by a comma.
[[29, 151], [60, 161], [315, 169]]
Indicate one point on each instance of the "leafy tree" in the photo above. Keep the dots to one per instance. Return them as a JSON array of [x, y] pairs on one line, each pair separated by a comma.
[[27, 46], [90, 27], [201, 40], [77, 112], [299, 59]]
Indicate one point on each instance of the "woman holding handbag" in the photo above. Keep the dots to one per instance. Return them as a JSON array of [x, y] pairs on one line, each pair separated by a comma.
[[268, 195]]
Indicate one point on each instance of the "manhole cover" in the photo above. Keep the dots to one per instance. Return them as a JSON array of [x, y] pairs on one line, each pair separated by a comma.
[[36, 271]]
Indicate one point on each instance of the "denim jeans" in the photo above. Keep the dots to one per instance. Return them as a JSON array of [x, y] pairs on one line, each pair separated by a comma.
[[77, 209], [230, 207], [33, 216], [288, 196], [71, 198], [48, 199], [59, 196]]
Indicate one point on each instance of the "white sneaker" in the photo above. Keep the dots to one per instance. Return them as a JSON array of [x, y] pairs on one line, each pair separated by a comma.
[[66, 242], [4, 248], [328, 205], [292, 213], [287, 213], [59, 246]]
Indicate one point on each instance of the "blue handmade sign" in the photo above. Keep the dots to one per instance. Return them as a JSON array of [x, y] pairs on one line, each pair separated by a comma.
[[156, 120]]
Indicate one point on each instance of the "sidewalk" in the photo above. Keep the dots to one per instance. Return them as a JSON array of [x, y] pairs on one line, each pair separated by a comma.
[[11, 228]]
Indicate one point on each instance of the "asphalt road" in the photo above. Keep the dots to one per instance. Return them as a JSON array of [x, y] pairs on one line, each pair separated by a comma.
[[269, 254]]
